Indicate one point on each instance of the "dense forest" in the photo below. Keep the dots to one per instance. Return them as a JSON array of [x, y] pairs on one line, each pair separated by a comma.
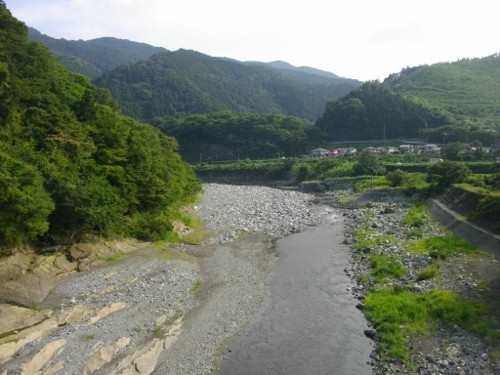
[[230, 136], [190, 82], [70, 163], [445, 102], [374, 111], [96, 56], [449, 102], [466, 87]]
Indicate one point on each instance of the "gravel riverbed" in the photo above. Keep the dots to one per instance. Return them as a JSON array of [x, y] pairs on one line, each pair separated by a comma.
[[172, 311]]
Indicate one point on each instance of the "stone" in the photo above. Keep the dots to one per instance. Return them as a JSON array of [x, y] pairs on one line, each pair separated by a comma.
[[15, 318], [371, 333], [42, 357], [104, 355], [79, 251]]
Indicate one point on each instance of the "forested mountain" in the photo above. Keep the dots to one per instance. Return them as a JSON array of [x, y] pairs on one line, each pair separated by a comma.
[[469, 87], [442, 102], [70, 163], [229, 136], [190, 82], [93, 57]]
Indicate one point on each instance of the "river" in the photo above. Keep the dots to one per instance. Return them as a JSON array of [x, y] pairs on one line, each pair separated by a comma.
[[308, 323]]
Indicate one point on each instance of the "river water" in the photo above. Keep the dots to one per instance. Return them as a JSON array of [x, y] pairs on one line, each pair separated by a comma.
[[308, 324]]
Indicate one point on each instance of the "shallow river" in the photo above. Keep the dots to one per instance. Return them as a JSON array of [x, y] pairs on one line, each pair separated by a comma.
[[308, 324]]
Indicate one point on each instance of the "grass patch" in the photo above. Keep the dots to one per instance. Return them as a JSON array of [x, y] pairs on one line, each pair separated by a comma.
[[441, 247], [366, 238], [110, 258], [344, 198], [398, 315], [195, 286], [386, 268], [428, 273], [370, 183], [415, 216]]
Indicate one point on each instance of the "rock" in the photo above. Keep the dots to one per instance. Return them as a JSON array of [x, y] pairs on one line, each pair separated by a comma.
[[105, 311], [371, 333], [104, 355], [42, 357], [80, 251], [15, 318], [360, 306], [62, 263]]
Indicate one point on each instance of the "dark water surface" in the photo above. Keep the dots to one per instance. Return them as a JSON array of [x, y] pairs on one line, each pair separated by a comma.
[[308, 324]]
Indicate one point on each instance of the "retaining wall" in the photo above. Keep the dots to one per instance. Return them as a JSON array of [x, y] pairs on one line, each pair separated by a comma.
[[472, 233]]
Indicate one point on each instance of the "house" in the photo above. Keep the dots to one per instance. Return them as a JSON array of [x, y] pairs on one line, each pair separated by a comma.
[[350, 151], [430, 149], [319, 153]]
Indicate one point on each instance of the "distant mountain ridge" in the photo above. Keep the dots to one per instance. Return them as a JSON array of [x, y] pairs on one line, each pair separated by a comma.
[[306, 74], [190, 82], [151, 82], [93, 57]]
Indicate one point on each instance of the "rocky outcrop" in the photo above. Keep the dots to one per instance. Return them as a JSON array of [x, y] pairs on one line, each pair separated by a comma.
[[15, 318]]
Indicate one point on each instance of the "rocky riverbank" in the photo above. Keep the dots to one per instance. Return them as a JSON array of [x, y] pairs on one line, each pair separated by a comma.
[[448, 349], [122, 315], [172, 308]]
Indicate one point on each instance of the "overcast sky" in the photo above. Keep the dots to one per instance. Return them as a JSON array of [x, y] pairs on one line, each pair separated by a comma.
[[362, 39]]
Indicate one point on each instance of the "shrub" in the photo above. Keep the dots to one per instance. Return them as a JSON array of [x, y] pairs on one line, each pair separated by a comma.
[[446, 173], [368, 164]]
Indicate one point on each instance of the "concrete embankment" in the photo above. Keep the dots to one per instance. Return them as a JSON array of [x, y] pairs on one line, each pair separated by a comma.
[[475, 234]]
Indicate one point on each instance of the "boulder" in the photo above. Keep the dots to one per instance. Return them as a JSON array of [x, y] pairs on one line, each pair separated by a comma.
[[15, 318]]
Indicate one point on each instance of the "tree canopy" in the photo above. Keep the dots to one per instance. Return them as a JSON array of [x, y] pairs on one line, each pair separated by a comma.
[[228, 135], [183, 81], [70, 163]]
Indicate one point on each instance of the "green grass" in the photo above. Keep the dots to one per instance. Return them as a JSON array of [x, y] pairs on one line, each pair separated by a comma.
[[441, 247], [415, 216], [376, 182], [428, 273], [110, 258], [386, 268], [398, 315], [365, 238], [344, 198], [195, 286]]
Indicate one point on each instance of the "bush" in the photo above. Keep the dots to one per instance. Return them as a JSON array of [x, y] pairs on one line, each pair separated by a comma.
[[446, 173], [368, 164]]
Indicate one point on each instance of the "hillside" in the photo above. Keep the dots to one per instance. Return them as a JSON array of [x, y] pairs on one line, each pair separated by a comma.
[[93, 57], [70, 164], [452, 102], [308, 75], [467, 87], [191, 82]]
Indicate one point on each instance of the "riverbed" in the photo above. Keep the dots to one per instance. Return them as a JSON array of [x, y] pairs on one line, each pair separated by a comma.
[[308, 323]]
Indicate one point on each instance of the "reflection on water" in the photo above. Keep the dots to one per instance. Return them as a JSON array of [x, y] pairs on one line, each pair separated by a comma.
[[308, 324]]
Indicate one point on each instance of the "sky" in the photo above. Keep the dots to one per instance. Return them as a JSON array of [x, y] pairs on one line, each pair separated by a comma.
[[361, 39]]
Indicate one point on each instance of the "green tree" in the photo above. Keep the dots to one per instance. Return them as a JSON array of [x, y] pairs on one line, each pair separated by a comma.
[[454, 151], [368, 164], [447, 172], [24, 204]]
